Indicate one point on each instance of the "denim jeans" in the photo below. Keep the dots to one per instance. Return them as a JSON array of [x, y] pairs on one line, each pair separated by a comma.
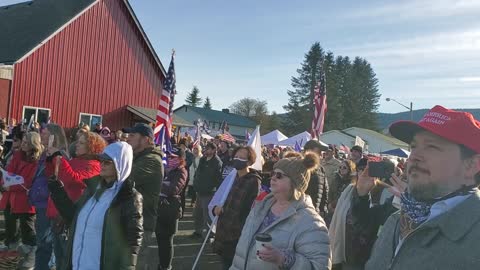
[[44, 240]]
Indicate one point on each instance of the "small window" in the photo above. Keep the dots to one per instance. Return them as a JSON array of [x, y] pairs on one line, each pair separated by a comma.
[[40, 115], [90, 119]]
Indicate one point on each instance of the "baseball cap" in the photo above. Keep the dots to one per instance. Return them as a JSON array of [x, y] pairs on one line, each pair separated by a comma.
[[455, 126], [357, 148], [315, 144], [141, 128]]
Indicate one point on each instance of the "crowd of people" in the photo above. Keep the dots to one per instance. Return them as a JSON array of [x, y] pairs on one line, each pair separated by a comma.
[[103, 199]]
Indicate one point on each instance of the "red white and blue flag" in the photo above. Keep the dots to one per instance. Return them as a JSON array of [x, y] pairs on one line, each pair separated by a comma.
[[11, 179], [320, 106], [163, 125]]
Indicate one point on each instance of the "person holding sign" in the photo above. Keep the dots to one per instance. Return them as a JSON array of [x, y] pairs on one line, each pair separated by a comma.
[[15, 201]]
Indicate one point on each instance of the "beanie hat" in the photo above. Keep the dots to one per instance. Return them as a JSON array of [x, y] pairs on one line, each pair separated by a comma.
[[299, 170]]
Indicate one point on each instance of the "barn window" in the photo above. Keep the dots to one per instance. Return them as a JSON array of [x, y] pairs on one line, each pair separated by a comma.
[[90, 119], [40, 115]]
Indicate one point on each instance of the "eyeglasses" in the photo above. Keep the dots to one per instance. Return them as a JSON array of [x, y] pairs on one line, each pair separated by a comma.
[[279, 175], [343, 167]]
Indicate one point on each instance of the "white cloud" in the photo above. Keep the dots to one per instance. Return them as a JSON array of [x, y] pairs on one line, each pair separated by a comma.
[[416, 9], [469, 79]]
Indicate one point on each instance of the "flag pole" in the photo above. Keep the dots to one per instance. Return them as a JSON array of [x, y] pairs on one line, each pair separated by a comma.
[[204, 242]]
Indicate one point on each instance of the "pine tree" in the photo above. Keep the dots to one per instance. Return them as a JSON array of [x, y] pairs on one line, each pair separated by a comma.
[[352, 93], [207, 104], [193, 98], [300, 104]]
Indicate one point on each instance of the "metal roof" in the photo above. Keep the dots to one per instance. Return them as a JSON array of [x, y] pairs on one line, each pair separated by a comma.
[[219, 116], [150, 115], [24, 26]]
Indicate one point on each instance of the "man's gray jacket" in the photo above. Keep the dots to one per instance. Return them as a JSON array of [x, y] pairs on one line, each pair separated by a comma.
[[449, 241]]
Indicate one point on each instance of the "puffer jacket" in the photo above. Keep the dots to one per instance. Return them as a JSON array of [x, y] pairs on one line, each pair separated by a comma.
[[147, 174], [299, 229], [123, 230], [318, 190]]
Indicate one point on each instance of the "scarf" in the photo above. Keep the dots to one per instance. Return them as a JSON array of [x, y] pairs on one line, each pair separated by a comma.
[[414, 212]]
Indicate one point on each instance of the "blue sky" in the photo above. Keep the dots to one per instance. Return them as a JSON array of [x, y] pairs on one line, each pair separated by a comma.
[[427, 52]]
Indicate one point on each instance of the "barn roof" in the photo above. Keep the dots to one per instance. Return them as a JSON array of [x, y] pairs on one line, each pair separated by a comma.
[[26, 25]]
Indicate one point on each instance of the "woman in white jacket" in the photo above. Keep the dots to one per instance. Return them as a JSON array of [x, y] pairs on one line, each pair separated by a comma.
[[299, 235], [197, 153]]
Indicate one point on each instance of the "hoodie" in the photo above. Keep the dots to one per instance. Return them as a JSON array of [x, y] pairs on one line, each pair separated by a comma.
[[87, 242]]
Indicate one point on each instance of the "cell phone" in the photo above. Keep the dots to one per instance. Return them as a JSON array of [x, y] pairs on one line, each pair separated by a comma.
[[381, 169]]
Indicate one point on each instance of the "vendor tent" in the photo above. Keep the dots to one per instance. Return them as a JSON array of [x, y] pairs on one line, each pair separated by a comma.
[[398, 152], [273, 137], [301, 139]]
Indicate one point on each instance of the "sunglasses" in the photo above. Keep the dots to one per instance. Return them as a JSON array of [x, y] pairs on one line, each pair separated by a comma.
[[343, 167], [279, 175]]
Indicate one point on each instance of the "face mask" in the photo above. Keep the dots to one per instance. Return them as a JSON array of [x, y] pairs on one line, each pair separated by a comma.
[[239, 164]]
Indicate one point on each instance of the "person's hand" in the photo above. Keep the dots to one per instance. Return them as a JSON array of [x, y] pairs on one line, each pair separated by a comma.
[[271, 254], [218, 210], [365, 183], [399, 185]]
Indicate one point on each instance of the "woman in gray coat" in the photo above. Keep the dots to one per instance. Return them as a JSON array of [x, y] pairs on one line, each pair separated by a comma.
[[299, 235]]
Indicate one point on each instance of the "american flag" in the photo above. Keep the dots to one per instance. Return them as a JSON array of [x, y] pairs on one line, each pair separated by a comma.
[[226, 136], [320, 106], [163, 126]]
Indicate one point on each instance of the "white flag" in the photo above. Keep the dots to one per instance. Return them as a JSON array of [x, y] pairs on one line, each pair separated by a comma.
[[256, 143], [10, 179]]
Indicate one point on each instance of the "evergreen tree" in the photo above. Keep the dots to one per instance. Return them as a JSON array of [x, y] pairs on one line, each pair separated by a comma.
[[300, 104], [207, 104], [361, 96], [352, 92], [193, 98]]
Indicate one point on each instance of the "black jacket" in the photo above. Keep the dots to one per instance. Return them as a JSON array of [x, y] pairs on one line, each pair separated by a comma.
[[122, 229], [147, 174], [208, 175], [318, 190]]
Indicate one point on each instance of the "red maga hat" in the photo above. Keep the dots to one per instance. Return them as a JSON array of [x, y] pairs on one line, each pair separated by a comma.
[[455, 126]]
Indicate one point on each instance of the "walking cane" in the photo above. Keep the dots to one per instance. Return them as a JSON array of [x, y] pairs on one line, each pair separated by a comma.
[[204, 242]]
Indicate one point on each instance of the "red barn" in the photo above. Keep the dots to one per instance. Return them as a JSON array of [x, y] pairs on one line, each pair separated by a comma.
[[76, 61]]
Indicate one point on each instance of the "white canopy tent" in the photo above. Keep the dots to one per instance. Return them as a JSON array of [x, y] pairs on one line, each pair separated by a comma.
[[301, 139], [273, 137]]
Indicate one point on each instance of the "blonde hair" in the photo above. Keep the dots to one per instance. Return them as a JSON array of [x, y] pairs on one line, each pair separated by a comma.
[[35, 143], [199, 147]]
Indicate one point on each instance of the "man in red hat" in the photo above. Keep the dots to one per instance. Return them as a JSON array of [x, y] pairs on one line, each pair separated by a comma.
[[438, 226]]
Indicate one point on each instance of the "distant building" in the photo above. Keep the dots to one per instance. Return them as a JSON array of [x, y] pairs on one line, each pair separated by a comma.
[[237, 124], [376, 142]]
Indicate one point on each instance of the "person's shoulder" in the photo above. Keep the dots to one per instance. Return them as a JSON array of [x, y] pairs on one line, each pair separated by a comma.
[[152, 155]]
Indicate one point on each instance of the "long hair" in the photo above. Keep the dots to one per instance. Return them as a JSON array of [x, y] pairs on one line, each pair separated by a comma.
[[35, 143]]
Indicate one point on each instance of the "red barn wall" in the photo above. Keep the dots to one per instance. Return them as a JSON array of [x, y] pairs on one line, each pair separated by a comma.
[[4, 96], [98, 64]]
